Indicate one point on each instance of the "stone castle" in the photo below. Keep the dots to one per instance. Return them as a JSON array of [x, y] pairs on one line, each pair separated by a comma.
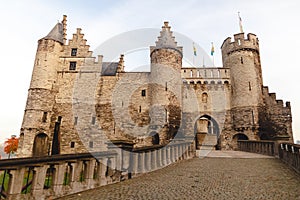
[[78, 103]]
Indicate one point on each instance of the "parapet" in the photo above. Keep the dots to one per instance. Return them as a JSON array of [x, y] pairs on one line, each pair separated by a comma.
[[271, 101], [239, 42]]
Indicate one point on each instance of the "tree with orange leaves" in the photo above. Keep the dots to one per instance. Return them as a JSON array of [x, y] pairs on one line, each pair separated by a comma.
[[11, 145]]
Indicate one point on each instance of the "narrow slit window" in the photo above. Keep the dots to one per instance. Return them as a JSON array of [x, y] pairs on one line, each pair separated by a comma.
[[166, 88], [249, 86], [44, 118], [242, 61], [140, 109], [91, 144], [72, 66], [143, 93], [72, 144], [93, 120], [75, 120], [74, 52]]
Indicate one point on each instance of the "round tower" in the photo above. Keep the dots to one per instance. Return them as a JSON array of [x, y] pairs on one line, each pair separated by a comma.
[[35, 134], [165, 84], [242, 57]]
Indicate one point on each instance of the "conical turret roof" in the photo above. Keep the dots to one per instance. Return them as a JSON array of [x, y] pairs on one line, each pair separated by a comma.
[[56, 33]]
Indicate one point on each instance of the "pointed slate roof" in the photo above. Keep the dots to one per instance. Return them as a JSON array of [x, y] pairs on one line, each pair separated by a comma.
[[56, 33], [166, 38]]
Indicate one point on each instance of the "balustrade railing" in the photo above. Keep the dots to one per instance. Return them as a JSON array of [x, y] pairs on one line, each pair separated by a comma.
[[59, 175]]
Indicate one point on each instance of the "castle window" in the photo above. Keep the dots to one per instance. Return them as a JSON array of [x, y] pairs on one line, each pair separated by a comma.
[[72, 144], [74, 52], [44, 118], [219, 73], [249, 86], [198, 74], [75, 120], [93, 120], [191, 73], [140, 109], [166, 87], [242, 61], [212, 73], [72, 66], [143, 93], [91, 144]]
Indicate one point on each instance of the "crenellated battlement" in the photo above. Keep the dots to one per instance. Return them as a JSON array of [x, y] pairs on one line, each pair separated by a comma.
[[271, 100], [239, 42], [206, 72]]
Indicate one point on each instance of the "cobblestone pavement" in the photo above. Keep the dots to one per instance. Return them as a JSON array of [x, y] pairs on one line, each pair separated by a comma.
[[207, 178]]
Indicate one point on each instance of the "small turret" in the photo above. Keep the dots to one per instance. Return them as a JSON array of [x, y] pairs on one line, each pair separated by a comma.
[[242, 57], [165, 90], [40, 101], [251, 43]]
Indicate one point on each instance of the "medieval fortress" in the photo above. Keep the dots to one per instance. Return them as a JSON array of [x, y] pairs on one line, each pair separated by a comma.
[[78, 103]]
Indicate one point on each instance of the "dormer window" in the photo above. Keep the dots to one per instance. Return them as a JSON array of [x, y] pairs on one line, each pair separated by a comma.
[[74, 52]]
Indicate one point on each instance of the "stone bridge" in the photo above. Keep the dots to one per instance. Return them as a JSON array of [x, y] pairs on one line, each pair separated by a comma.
[[271, 172]]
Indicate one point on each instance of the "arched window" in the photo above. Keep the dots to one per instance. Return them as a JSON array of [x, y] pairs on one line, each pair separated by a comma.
[[204, 97]]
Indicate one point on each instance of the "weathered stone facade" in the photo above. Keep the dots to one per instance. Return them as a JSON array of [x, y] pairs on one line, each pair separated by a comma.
[[78, 103]]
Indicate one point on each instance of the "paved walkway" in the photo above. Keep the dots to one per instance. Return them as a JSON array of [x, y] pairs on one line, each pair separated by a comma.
[[220, 175]]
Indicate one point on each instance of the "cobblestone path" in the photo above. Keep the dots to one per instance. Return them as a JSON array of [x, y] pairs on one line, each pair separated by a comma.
[[208, 178]]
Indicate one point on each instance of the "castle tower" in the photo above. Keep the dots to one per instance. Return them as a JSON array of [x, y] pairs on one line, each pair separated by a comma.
[[35, 135], [242, 57], [165, 84]]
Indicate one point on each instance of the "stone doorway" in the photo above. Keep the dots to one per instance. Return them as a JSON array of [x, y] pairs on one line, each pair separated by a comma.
[[40, 145]]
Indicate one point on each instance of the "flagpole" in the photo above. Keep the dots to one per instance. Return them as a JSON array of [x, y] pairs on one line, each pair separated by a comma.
[[240, 23], [212, 53]]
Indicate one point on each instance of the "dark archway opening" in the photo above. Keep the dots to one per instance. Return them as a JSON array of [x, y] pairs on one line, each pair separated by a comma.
[[155, 138], [40, 145], [236, 138]]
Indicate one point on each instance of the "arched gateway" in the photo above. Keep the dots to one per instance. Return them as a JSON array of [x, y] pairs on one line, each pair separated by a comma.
[[206, 132]]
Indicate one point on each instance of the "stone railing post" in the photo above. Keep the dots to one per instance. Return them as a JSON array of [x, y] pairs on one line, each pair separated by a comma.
[[90, 164], [134, 161], [153, 160], [102, 174], [16, 182], [58, 178], [38, 182]]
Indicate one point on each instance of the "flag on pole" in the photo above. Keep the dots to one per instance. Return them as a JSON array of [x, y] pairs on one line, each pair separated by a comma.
[[212, 51], [195, 50], [240, 23]]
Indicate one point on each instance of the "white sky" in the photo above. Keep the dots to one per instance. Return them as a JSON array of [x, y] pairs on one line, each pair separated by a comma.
[[276, 23]]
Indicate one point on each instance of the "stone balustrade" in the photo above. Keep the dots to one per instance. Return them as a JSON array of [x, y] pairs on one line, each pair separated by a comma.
[[60, 175], [261, 147], [290, 154], [287, 152]]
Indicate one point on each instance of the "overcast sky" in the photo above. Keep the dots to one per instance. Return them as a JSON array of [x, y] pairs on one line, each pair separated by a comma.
[[276, 23]]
